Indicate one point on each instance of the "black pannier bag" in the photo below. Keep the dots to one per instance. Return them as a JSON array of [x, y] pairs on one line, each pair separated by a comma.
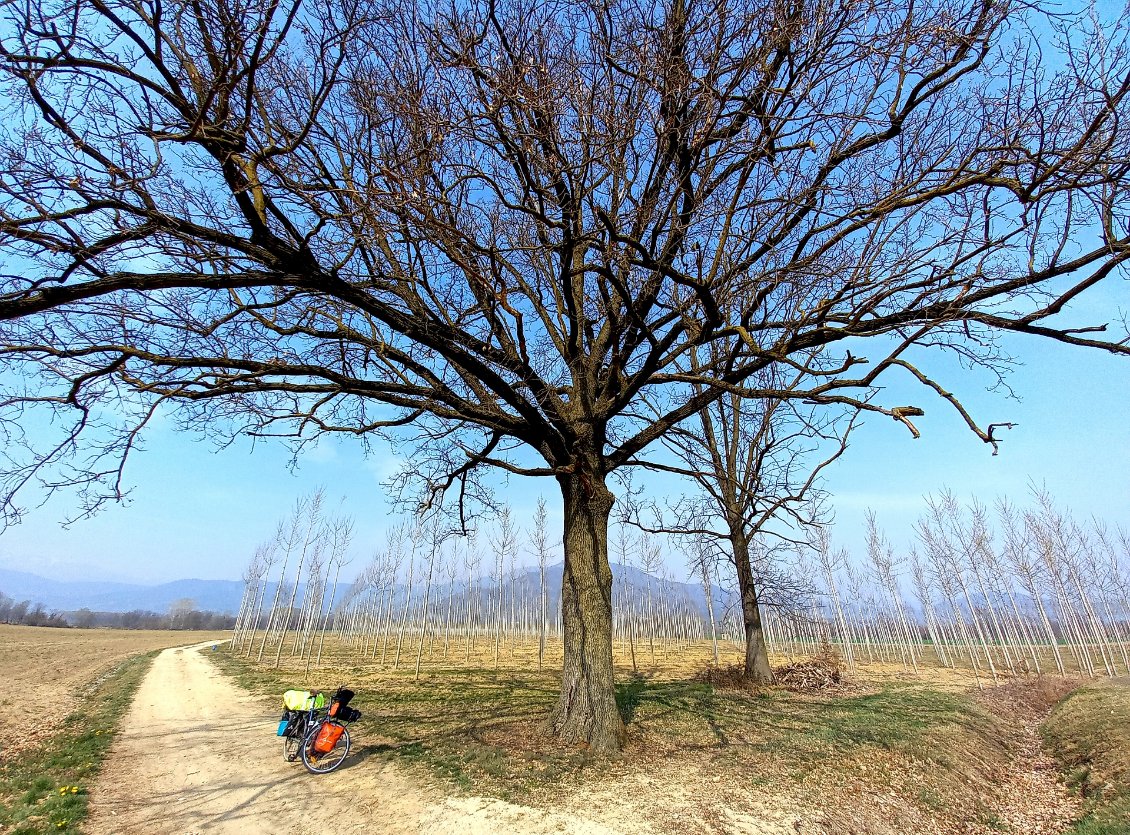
[[348, 714], [288, 722], [339, 702], [343, 695]]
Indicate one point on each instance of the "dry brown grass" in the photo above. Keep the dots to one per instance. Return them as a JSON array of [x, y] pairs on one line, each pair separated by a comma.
[[891, 750], [1089, 733], [671, 662], [52, 668]]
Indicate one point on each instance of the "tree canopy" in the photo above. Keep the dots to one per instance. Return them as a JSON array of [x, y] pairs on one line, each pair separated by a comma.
[[498, 231]]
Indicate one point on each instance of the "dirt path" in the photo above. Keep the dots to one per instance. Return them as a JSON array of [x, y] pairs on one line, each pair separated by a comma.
[[197, 754]]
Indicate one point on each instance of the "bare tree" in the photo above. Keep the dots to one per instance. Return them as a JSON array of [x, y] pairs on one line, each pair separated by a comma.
[[289, 535], [756, 465], [944, 541], [625, 546], [924, 592], [310, 599], [451, 571], [651, 561], [433, 530], [884, 565], [414, 535], [306, 525], [700, 560], [393, 557], [505, 544], [1021, 556], [1061, 542], [539, 539], [474, 589], [513, 222], [255, 588], [830, 561], [340, 534]]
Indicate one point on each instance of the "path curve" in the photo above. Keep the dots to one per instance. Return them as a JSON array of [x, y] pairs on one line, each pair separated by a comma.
[[198, 754]]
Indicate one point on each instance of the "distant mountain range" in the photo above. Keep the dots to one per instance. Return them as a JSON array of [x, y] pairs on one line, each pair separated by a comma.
[[207, 595], [223, 596]]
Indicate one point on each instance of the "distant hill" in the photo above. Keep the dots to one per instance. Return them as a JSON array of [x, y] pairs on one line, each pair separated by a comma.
[[208, 595], [223, 596], [629, 582]]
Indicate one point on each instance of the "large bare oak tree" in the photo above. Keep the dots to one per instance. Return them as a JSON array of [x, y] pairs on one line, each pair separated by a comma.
[[493, 229]]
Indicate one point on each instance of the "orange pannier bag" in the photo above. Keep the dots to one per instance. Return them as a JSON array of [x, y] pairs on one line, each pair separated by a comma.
[[327, 737]]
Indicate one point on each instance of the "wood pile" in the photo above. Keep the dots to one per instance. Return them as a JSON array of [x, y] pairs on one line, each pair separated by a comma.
[[818, 673]]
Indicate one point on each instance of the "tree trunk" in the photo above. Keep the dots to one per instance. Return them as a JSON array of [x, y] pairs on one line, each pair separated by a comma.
[[757, 667], [543, 601], [586, 711], [708, 596]]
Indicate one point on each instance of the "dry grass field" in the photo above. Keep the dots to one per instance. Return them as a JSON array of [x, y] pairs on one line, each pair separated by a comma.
[[889, 750], [886, 750], [54, 667]]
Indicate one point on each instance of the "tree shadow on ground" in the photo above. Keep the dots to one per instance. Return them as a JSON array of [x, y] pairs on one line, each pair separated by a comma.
[[479, 725], [485, 728], [684, 715], [628, 694]]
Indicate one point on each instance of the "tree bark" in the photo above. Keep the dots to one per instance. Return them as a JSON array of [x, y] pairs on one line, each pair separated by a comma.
[[586, 711], [757, 669]]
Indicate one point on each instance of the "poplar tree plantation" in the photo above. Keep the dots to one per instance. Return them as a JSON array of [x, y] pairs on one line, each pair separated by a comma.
[[533, 236]]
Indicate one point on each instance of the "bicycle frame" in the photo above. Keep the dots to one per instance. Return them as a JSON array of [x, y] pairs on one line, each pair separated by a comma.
[[300, 732], [299, 727]]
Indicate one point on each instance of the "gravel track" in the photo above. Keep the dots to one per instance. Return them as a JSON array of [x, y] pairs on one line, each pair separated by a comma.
[[198, 754]]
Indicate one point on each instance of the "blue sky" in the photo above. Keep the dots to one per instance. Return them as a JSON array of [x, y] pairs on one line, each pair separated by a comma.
[[1071, 436], [198, 512]]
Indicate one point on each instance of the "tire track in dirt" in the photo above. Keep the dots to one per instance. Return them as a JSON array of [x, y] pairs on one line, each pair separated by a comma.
[[198, 754]]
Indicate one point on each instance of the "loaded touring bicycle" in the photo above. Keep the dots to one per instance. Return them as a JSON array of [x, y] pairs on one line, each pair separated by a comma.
[[315, 731]]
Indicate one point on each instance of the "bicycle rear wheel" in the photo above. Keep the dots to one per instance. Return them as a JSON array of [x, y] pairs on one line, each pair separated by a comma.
[[291, 746], [292, 741], [323, 763]]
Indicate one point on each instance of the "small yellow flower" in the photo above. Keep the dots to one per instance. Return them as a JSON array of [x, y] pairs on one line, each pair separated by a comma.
[[74, 789]]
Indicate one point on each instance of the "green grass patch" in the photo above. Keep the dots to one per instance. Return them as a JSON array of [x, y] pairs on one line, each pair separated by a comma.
[[480, 729], [1089, 733], [802, 731], [45, 789], [475, 728]]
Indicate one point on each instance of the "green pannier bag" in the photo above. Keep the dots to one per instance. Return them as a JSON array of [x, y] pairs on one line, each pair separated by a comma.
[[303, 700]]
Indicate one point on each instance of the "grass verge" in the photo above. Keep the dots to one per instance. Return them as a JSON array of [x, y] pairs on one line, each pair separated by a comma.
[[1089, 734], [45, 789]]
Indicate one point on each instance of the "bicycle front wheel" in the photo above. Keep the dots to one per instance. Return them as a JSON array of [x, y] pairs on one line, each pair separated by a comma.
[[317, 762]]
